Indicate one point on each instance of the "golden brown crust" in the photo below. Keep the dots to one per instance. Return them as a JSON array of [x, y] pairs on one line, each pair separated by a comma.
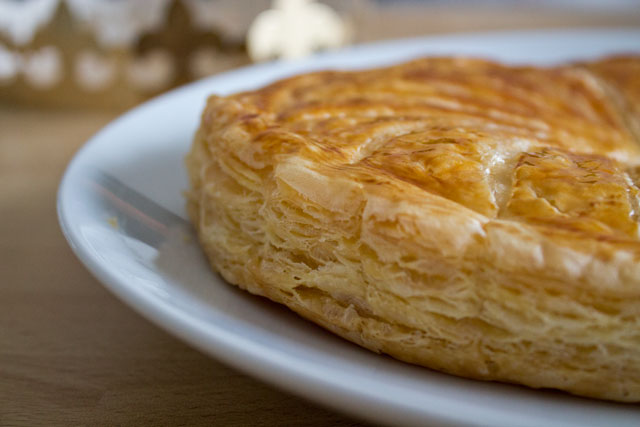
[[471, 217], [621, 75]]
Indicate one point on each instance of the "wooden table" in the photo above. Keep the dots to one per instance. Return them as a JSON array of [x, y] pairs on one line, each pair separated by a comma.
[[71, 353]]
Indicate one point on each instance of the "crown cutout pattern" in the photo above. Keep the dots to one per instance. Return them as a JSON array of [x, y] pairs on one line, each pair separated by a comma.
[[116, 53], [70, 53]]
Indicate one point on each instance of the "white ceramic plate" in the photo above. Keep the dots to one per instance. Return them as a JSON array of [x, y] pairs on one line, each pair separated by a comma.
[[121, 208]]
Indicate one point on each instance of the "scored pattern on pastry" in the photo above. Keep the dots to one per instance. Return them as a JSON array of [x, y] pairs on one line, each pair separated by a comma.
[[464, 215]]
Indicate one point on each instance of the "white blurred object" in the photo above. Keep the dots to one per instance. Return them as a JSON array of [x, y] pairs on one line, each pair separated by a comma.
[[43, 68], [119, 23], [93, 71], [293, 29], [20, 20], [9, 64], [152, 71]]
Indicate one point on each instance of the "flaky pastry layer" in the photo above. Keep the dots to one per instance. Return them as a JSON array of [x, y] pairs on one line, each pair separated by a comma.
[[467, 216]]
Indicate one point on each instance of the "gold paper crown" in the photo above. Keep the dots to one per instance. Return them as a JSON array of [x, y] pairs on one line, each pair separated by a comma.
[[66, 64]]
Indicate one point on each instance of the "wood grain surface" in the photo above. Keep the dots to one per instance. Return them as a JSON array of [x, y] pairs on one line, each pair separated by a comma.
[[70, 352]]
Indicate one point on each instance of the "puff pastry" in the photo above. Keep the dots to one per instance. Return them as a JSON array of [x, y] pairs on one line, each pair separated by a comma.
[[475, 218]]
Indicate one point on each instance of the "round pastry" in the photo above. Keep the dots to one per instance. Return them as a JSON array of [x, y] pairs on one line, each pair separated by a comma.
[[471, 217]]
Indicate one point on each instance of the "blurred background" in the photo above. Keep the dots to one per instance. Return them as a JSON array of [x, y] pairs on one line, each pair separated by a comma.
[[113, 54], [70, 353]]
